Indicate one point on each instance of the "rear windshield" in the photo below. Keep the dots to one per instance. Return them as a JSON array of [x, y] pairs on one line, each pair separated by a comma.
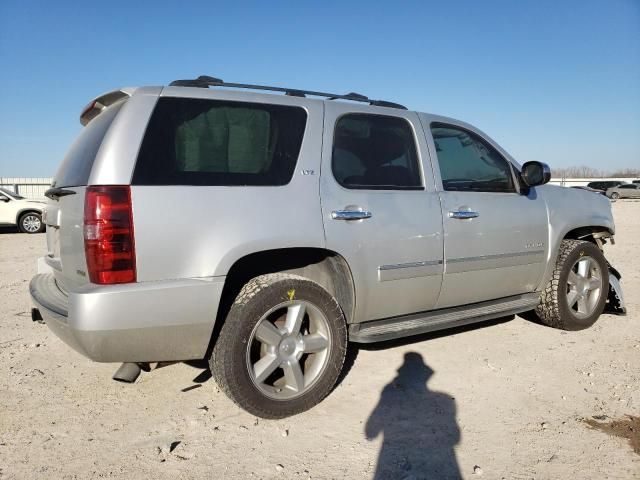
[[210, 142], [76, 166]]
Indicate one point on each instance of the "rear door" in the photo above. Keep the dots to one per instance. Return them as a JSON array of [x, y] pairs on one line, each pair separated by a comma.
[[380, 208], [495, 237]]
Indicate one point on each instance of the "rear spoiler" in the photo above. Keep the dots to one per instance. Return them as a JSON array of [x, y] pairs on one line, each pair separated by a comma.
[[93, 109]]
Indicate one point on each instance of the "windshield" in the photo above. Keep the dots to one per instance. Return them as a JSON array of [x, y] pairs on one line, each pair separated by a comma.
[[11, 194]]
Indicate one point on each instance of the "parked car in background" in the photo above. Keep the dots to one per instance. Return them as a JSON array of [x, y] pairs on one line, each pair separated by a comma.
[[630, 190], [17, 210], [604, 184], [636, 181], [588, 189]]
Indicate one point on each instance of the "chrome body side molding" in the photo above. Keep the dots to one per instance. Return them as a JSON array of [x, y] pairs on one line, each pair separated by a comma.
[[482, 262], [409, 270]]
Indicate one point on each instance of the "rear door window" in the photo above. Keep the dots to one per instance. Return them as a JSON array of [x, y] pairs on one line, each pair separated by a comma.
[[76, 167], [375, 152], [212, 142]]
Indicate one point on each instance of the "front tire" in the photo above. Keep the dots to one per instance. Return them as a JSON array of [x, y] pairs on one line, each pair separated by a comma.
[[576, 295], [282, 346], [615, 196], [30, 222]]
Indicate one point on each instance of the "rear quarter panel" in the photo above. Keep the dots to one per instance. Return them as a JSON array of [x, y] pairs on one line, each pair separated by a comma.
[[117, 156], [201, 231]]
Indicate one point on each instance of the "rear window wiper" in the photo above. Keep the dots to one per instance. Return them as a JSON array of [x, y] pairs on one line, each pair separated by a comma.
[[57, 192]]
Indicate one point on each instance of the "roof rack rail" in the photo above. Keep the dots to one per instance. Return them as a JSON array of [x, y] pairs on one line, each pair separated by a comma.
[[204, 81]]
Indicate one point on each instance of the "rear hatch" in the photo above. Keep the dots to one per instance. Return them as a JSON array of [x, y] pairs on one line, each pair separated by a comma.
[[65, 207]]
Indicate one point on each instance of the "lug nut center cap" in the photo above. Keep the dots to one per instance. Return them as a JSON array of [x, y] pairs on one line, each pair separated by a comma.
[[287, 346]]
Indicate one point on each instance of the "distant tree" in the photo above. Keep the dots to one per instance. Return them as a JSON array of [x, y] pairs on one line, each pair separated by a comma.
[[627, 173], [577, 172], [590, 172]]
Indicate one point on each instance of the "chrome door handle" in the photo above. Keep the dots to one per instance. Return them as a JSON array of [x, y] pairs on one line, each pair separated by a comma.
[[462, 214], [350, 214]]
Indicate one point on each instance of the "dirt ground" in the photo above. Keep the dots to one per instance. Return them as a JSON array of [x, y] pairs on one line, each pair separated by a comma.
[[508, 399]]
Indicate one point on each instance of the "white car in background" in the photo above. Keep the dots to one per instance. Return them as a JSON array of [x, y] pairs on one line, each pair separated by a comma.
[[17, 210]]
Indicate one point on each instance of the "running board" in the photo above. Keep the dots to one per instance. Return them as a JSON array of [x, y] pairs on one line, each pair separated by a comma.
[[416, 323]]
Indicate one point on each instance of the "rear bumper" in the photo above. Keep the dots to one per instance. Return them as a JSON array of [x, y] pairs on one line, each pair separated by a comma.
[[138, 322]]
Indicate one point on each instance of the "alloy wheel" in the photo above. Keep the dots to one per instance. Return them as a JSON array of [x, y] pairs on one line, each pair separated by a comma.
[[288, 349], [31, 223], [584, 287]]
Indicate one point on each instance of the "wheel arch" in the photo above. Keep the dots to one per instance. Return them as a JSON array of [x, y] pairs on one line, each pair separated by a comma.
[[589, 233], [25, 211], [326, 267], [596, 234]]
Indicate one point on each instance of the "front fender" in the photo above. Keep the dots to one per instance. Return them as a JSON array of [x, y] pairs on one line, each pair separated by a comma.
[[570, 210]]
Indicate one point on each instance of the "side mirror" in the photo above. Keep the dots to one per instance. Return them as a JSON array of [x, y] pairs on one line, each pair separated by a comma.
[[535, 173], [4, 199]]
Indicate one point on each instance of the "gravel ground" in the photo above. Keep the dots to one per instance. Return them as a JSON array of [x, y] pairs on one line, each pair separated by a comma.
[[508, 399]]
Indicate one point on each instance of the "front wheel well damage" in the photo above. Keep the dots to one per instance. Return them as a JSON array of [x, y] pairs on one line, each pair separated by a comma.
[[599, 236], [594, 234]]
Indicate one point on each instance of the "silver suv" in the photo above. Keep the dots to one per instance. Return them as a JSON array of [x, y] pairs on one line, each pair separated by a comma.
[[264, 232]]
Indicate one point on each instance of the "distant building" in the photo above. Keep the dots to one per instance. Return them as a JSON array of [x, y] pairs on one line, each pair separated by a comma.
[[29, 187]]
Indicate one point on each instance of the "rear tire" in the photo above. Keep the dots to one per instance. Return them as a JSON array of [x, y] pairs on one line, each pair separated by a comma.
[[30, 222], [615, 196], [576, 295], [282, 346]]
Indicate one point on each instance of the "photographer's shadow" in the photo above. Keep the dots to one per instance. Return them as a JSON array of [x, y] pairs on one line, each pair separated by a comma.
[[418, 426]]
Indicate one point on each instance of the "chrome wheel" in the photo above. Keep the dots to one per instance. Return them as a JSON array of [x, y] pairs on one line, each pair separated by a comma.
[[584, 287], [288, 349], [31, 223]]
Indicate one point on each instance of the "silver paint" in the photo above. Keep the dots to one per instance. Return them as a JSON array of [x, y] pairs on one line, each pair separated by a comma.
[[170, 312]]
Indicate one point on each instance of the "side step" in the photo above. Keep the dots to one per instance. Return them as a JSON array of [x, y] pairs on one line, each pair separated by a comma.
[[416, 323]]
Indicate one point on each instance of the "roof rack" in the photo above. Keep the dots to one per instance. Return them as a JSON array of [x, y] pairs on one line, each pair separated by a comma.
[[204, 81]]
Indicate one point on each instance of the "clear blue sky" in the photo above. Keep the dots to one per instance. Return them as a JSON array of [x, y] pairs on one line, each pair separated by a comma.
[[556, 81]]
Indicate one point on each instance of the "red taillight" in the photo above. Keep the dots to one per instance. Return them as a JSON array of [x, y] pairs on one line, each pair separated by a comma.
[[108, 234]]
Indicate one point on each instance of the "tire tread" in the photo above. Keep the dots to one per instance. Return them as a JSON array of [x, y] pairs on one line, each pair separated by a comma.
[[549, 311], [222, 363]]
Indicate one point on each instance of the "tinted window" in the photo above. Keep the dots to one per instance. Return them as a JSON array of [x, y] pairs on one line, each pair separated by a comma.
[[627, 186], [11, 193], [603, 185], [468, 163], [375, 152], [210, 142], [76, 166]]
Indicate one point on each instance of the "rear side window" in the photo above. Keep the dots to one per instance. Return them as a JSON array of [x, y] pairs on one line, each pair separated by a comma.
[[76, 167], [210, 142], [375, 152], [468, 163]]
